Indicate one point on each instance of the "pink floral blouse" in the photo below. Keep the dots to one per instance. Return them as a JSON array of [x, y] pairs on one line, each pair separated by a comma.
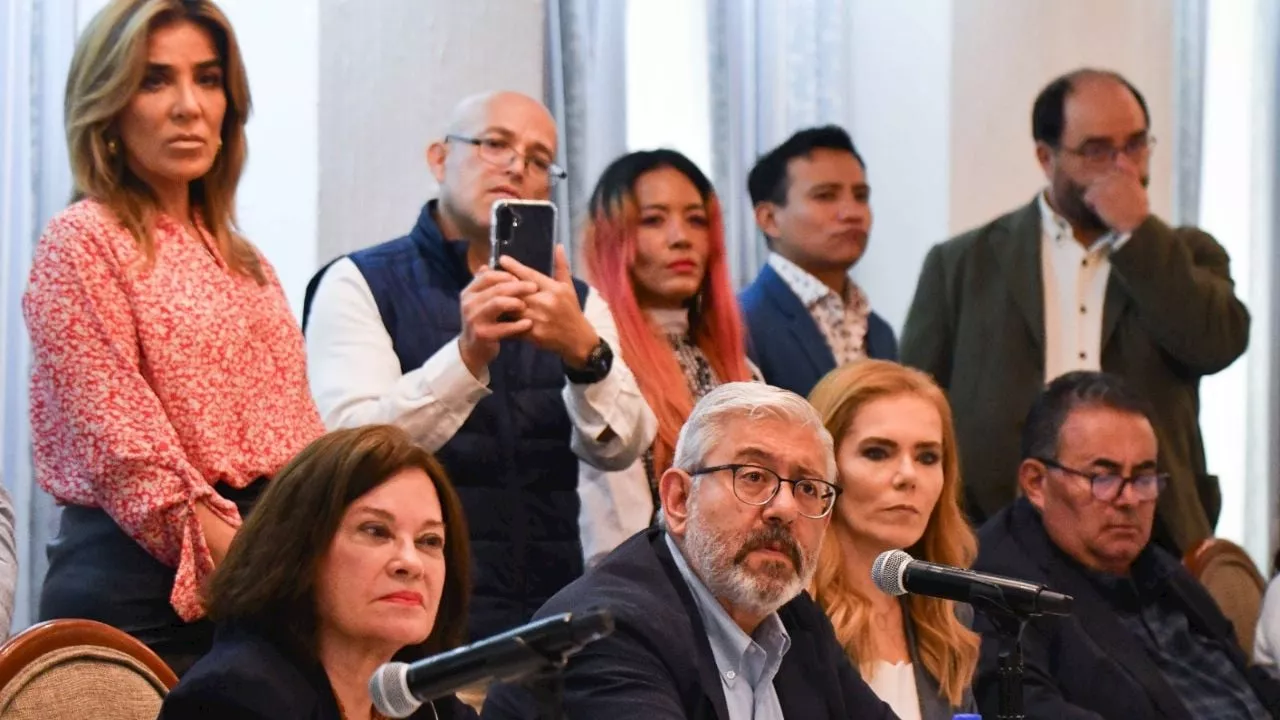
[[150, 385]]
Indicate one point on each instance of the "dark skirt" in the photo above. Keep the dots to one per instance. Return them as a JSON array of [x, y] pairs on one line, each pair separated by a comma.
[[97, 572]]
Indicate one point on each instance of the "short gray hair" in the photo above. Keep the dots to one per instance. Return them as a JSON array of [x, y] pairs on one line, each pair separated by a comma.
[[704, 428]]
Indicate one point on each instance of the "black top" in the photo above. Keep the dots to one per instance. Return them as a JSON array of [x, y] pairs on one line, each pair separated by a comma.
[[248, 676], [1091, 664]]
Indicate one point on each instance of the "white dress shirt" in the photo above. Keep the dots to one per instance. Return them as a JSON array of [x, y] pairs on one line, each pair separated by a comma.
[[356, 379], [1075, 289], [1266, 637], [895, 683], [841, 318]]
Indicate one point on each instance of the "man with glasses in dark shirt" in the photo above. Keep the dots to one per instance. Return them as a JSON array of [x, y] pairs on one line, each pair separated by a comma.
[[1084, 277], [712, 618], [1145, 640]]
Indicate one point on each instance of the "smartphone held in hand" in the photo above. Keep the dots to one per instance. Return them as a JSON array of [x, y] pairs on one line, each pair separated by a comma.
[[526, 231]]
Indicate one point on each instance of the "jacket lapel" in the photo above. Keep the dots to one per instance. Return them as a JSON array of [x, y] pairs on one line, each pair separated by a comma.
[[795, 679], [1112, 308], [1018, 254], [803, 330], [932, 705], [708, 674]]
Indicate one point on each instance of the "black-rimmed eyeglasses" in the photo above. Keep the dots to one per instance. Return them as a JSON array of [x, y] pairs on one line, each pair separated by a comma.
[[1147, 484], [499, 152], [755, 485]]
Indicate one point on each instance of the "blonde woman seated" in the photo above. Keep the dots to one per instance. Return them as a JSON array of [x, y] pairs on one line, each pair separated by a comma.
[[896, 454], [654, 247]]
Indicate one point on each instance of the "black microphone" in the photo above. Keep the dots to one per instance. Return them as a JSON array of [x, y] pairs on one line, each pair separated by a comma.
[[897, 573], [398, 689]]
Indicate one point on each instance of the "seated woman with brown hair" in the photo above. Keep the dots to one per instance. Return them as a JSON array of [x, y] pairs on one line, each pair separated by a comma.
[[356, 554], [899, 469]]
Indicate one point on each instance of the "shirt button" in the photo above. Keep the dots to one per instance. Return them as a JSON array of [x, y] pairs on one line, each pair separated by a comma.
[[1084, 263], [1082, 356], [731, 675], [1083, 309]]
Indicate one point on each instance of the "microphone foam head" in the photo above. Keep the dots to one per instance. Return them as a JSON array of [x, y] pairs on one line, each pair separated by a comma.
[[886, 571], [389, 688]]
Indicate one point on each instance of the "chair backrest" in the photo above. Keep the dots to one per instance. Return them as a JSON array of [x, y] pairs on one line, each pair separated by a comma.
[[1233, 581], [79, 669]]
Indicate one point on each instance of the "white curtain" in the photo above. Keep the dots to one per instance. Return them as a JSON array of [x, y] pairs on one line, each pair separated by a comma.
[[17, 223], [1189, 22], [776, 66], [37, 38], [585, 68]]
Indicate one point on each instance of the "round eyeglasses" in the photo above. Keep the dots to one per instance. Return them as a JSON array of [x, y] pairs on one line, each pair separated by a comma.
[[1147, 484], [755, 485]]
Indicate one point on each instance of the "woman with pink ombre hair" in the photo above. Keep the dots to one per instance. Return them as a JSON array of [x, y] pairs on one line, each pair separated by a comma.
[[653, 244]]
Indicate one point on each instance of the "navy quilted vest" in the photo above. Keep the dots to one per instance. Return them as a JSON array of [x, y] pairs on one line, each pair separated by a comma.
[[510, 460]]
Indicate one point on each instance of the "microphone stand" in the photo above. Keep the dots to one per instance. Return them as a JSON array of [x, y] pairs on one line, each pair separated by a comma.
[[547, 688], [1009, 626], [1009, 629]]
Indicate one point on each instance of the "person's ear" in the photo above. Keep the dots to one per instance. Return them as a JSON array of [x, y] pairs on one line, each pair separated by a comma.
[[674, 489], [1032, 478], [437, 153], [1046, 157], [767, 219]]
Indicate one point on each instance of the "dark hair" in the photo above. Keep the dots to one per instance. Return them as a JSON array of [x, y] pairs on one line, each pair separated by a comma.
[[268, 579], [618, 180], [768, 180], [1048, 114], [1067, 393]]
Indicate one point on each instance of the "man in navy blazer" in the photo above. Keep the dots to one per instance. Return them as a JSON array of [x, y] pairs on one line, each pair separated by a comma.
[[804, 314], [711, 617]]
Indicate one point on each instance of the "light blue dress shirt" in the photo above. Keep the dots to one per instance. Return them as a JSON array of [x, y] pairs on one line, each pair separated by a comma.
[[747, 663]]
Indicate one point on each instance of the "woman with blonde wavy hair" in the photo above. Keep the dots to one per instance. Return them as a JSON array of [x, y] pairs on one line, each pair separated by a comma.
[[169, 376], [898, 466]]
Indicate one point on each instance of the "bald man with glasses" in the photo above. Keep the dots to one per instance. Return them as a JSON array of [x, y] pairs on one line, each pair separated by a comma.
[[507, 375], [1145, 639]]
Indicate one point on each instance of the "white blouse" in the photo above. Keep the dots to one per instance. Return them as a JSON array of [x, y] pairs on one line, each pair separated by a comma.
[[895, 683]]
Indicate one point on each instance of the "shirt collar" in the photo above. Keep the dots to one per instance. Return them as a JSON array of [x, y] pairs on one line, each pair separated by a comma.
[[1057, 229], [729, 643], [808, 288], [670, 322]]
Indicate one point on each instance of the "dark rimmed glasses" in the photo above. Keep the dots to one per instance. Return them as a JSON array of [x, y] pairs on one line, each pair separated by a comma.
[[755, 485], [1147, 485]]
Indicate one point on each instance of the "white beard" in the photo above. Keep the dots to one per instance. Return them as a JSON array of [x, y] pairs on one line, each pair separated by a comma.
[[759, 592]]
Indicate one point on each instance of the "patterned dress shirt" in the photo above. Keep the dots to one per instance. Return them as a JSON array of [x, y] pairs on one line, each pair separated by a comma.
[[842, 319]]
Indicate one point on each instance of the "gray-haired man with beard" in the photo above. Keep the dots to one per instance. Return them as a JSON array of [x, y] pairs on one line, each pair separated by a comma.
[[712, 620]]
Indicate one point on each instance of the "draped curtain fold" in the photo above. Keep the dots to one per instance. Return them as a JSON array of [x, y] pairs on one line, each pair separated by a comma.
[[776, 67], [585, 90], [37, 39]]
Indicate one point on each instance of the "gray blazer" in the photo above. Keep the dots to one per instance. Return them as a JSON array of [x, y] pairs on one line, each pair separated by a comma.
[[932, 705]]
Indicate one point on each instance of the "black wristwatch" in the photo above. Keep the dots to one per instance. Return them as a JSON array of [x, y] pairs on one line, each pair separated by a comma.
[[599, 360]]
